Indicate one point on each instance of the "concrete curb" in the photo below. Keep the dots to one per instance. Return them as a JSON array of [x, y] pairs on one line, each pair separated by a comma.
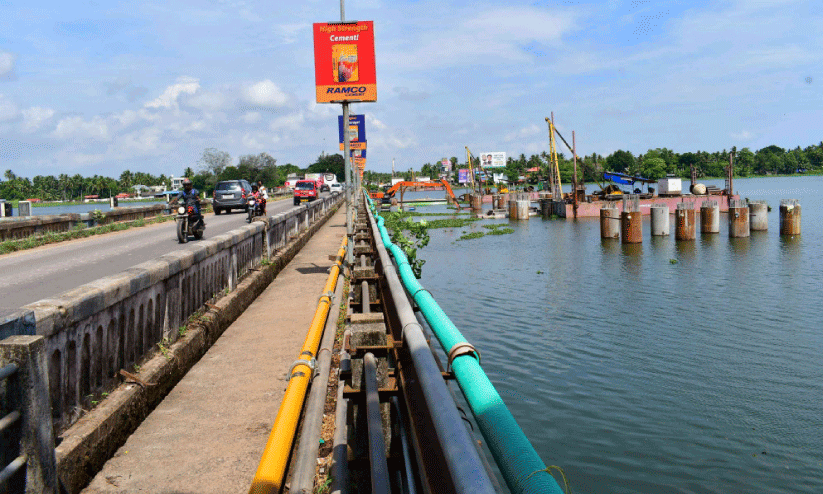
[[95, 437]]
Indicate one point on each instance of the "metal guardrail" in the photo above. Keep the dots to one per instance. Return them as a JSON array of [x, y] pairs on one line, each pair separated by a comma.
[[7, 423]]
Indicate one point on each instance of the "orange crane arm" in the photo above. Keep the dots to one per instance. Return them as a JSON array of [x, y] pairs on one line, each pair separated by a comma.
[[442, 183]]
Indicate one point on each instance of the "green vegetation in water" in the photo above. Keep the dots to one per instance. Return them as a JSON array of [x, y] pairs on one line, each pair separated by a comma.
[[470, 236], [495, 225], [501, 231], [399, 223], [672, 261]]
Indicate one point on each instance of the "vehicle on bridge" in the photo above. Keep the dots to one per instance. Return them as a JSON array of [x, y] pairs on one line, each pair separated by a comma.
[[305, 191], [231, 194], [189, 221]]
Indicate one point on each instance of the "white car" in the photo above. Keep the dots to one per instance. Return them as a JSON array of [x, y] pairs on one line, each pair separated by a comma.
[[336, 187]]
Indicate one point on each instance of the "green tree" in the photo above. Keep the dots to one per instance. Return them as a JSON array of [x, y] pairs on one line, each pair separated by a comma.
[[620, 161]]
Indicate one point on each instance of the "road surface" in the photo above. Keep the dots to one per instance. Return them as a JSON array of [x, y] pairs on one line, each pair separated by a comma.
[[35, 274]]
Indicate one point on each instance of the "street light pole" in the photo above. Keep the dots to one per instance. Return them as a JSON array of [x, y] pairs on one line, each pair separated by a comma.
[[348, 167]]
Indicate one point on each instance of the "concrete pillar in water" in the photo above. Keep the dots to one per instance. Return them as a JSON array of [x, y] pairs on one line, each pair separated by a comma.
[[789, 217], [500, 202], [659, 220], [738, 219], [758, 216], [710, 217], [685, 221], [477, 202], [631, 227], [609, 222], [523, 209], [512, 209], [545, 207]]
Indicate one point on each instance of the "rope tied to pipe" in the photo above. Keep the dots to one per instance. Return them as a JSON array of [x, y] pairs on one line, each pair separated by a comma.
[[548, 470]]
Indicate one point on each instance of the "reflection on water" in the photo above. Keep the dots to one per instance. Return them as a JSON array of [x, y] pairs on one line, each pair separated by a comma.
[[638, 375]]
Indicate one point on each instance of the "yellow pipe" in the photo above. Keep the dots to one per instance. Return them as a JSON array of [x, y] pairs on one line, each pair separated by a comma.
[[272, 467]]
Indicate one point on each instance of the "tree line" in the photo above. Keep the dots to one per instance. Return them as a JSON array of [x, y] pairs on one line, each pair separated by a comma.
[[212, 167], [655, 164]]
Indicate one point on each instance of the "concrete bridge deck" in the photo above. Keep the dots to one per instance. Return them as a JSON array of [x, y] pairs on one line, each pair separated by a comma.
[[208, 434]]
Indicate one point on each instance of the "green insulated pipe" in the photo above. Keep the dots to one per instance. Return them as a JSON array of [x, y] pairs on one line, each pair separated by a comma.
[[521, 466]]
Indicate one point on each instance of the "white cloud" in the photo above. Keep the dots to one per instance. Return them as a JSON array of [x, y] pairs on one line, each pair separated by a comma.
[[184, 85], [207, 101], [77, 128], [251, 117], [35, 117], [266, 94], [6, 62], [8, 110], [143, 141], [743, 135], [522, 133], [373, 122], [293, 121]]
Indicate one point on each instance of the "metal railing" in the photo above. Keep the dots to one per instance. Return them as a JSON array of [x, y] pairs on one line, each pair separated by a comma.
[[8, 426]]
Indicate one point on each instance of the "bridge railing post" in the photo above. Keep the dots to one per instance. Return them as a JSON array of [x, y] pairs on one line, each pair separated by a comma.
[[27, 394]]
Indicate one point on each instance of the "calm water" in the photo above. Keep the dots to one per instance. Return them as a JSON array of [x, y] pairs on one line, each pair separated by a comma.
[[638, 375]]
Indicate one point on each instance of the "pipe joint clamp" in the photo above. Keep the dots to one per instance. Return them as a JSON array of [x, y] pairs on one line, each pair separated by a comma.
[[311, 364], [328, 294], [460, 349]]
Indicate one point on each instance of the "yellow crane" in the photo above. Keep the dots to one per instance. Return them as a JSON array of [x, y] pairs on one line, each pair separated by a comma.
[[554, 165]]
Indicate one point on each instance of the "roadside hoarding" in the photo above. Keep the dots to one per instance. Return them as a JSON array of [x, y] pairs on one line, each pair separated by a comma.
[[344, 67], [463, 175], [492, 159], [446, 164], [357, 131]]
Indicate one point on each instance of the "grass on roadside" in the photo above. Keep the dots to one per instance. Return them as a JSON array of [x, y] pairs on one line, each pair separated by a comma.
[[78, 231]]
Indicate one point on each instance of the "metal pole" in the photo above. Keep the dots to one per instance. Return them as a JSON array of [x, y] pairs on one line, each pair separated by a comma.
[[574, 153], [348, 170]]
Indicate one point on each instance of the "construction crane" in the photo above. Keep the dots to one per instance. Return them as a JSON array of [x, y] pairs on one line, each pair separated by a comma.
[[554, 166], [387, 195]]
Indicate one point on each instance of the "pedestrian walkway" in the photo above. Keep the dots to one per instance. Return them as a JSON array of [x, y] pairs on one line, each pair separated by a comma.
[[208, 434]]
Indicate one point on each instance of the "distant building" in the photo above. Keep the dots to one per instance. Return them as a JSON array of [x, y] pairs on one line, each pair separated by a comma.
[[177, 182]]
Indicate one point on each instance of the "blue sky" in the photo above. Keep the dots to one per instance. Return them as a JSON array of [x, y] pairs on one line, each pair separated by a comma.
[[98, 87]]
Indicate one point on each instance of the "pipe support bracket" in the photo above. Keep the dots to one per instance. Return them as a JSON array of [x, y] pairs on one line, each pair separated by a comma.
[[311, 364], [459, 349]]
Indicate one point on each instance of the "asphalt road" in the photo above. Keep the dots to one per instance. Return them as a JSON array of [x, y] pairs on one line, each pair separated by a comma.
[[35, 274]]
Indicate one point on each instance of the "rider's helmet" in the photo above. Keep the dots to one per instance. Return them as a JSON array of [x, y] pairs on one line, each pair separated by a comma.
[[187, 184]]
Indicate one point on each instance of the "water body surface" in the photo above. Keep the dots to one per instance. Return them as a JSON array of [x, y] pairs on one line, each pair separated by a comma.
[[637, 374]]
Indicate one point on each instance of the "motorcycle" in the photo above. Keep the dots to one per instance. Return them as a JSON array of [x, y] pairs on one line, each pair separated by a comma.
[[255, 208], [188, 222]]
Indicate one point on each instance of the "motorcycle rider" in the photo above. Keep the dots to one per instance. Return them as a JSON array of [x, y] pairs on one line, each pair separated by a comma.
[[189, 192], [260, 196]]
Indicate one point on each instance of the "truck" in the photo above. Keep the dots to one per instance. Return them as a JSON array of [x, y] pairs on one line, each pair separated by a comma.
[[291, 180], [318, 178]]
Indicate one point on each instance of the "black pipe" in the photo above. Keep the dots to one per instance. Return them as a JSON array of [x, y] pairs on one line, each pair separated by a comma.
[[377, 440]]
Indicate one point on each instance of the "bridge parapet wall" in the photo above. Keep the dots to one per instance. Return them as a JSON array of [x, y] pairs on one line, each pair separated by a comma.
[[95, 330]]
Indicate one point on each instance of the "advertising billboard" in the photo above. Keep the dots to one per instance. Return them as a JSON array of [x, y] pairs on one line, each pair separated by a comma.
[[492, 159], [446, 164], [463, 175], [344, 62], [357, 131]]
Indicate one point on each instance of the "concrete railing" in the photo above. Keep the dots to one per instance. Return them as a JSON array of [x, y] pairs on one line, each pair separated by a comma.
[[97, 329], [25, 226]]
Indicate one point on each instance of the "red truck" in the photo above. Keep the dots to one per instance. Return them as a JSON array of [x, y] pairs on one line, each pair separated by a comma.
[[305, 191]]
